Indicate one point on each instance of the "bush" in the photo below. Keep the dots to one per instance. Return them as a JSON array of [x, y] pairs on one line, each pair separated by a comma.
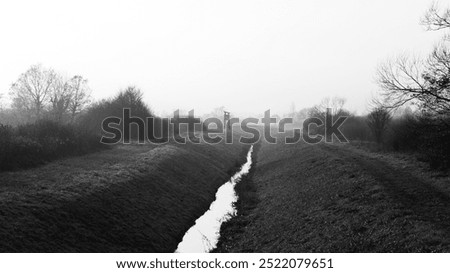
[[32, 144], [355, 128], [426, 136], [131, 98]]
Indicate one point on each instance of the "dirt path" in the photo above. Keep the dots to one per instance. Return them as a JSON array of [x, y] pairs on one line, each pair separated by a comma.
[[428, 202], [329, 198]]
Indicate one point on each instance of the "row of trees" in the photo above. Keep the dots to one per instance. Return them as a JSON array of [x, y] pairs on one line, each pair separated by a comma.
[[50, 130], [401, 129], [421, 84], [42, 93], [52, 116]]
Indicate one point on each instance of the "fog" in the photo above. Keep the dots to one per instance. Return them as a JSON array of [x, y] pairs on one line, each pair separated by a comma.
[[248, 56]]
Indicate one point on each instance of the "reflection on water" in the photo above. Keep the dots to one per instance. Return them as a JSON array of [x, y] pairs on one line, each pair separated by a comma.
[[203, 236]]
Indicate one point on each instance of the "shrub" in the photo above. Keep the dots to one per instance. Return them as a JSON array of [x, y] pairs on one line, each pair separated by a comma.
[[131, 98], [355, 128], [35, 143], [426, 136]]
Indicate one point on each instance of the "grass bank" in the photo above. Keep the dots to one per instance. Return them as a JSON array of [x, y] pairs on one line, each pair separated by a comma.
[[337, 198], [132, 198]]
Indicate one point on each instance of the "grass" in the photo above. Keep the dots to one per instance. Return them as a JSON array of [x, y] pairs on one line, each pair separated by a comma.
[[296, 198], [337, 198], [133, 198]]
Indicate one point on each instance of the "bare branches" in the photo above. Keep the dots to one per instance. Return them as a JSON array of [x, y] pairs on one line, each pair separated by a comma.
[[32, 90], [435, 19], [80, 95], [335, 103], [425, 83], [40, 90], [61, 97], [400, 80]]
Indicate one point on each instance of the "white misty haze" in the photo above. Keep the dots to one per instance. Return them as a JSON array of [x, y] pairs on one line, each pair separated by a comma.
[[248, 56]]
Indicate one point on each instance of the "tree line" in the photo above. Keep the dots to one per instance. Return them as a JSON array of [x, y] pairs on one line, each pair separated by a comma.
[[42, 93], [412, 110], [52, 117]]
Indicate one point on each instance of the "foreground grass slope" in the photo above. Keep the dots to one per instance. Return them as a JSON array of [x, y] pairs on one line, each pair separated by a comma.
[[337, 198], [133, 198]]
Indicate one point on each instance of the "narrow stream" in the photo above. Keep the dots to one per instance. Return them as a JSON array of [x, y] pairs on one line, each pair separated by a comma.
[[204, 234]]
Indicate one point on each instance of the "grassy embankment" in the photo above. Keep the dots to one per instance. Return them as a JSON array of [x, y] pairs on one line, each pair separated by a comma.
[[133, 198], [337, 198]]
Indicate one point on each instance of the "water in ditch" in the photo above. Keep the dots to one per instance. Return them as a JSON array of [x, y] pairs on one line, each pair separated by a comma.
[[204, 234]]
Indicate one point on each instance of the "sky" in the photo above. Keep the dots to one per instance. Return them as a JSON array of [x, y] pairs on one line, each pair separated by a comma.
[[248, 56]]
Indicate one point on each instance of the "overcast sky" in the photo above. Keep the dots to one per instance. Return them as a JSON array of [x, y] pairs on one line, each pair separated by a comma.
[[248, 56]]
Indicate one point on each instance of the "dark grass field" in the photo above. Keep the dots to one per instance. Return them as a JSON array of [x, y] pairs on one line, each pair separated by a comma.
[[338, 198], [296, 198], [133, 198]]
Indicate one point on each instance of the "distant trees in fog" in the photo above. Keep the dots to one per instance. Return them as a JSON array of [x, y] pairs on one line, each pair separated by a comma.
[[378, 120], [333, 106], [40, 93], [336, 104], [31, 91], [51, 131], [52, 116], [80, 95], [40, 125]]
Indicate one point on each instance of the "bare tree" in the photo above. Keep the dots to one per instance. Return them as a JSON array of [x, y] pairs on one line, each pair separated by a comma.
[[436, 19], [378, 120], [61, 97], [401, 80], [425, 83], [80, 95], [437, 78], [32, 90], [335, 103]]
